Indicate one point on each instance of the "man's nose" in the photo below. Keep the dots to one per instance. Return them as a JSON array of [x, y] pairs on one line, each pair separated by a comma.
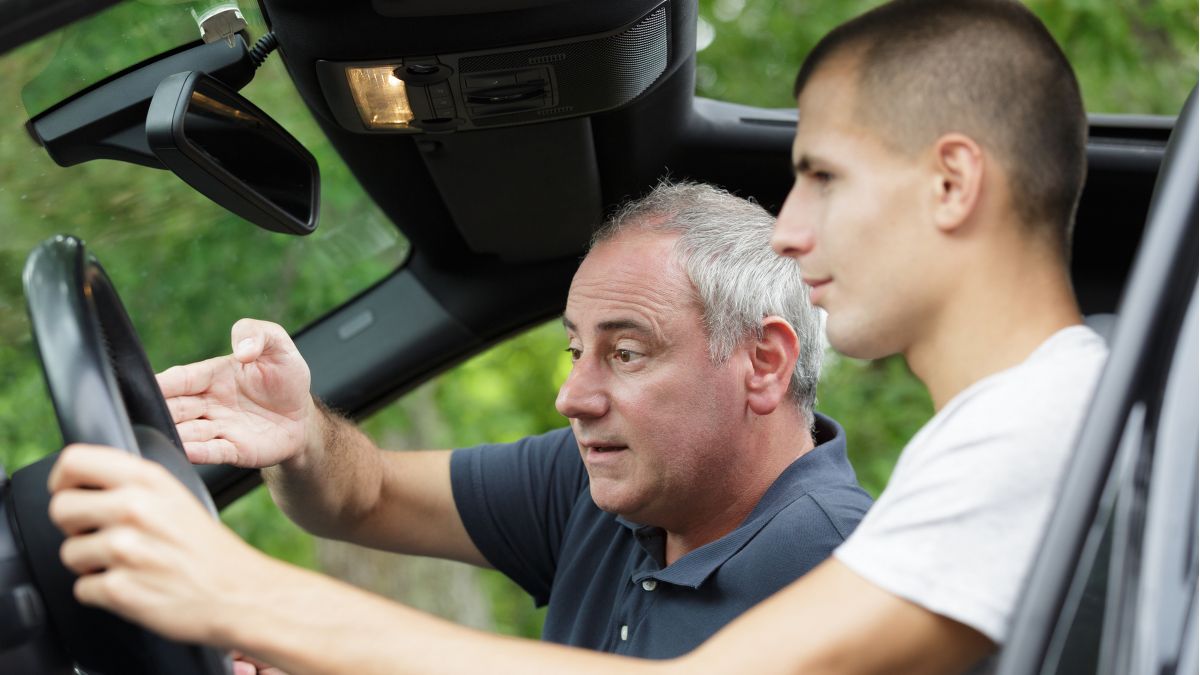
[[794, 235], [582, 395]]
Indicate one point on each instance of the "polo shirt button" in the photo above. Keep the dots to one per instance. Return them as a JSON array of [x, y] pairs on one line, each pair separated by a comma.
[[649, 585], [625, 632]]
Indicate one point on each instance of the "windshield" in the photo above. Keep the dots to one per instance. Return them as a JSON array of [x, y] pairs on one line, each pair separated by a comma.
[[185, 267]]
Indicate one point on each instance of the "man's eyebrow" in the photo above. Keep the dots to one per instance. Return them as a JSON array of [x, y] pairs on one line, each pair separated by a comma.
[[803, 165], [613, 325], [623, 324]]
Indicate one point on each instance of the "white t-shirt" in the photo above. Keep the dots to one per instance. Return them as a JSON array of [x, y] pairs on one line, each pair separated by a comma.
[[957, 527]]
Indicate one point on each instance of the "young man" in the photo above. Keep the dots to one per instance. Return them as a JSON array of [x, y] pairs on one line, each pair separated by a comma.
[[939, 159]]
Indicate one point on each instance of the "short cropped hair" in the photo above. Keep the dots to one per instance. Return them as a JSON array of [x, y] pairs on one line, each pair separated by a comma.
[[986, 68], [724, 247]]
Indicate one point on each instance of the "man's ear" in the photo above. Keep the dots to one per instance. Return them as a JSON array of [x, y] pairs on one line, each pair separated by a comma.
[[958, 169], [772, 361]]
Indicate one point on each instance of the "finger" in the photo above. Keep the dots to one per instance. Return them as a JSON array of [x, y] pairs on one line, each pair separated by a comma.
[[187, 408], [252, 338], [81, 511], [104, 550], [191, 379], [214, 451], [195, 431], [102, 589], [95, 466], [244, 668]]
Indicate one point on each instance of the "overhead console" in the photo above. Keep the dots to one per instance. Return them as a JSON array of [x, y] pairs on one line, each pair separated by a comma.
[[495, 130], [489, 88]]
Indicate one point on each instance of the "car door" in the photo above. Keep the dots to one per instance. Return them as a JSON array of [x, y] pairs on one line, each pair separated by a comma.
[[1114, 587]]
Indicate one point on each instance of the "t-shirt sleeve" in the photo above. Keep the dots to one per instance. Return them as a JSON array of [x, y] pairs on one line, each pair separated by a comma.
[[515, 500], [958, 528]]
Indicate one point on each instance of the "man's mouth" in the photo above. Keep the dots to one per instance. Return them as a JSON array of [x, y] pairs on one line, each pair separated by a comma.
[[601, 446], [816, 288], [605, 448]]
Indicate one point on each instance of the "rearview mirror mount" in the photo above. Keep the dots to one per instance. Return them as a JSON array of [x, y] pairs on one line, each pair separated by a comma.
[[233, 153]]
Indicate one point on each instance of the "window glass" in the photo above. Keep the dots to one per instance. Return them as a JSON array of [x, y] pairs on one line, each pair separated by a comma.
[[1130, 57], [185, 267]]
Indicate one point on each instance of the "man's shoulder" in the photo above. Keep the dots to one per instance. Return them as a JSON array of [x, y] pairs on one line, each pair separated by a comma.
[[824, 475], [561, 439], [530, 464], [1067, 362], [818, 492], [1045, 394], [836, 509]]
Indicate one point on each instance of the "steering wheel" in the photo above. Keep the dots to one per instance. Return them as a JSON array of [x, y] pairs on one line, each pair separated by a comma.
[[104, 392]]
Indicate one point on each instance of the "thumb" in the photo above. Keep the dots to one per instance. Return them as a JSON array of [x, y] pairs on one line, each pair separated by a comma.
[[247, 350], [251, 338]]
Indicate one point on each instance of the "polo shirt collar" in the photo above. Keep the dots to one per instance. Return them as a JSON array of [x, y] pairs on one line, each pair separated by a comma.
[[813, 470]]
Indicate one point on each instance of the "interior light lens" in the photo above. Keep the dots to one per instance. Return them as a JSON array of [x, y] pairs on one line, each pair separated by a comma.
[[380, 96]]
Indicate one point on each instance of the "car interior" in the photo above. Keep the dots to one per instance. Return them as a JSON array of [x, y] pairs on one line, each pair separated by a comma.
[[496, 135]]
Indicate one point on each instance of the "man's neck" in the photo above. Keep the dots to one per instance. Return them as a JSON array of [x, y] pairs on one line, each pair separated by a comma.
[[773, 442], [994, 321]]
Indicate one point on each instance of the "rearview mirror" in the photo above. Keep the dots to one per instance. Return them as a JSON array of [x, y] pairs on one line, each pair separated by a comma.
[[233, 153]]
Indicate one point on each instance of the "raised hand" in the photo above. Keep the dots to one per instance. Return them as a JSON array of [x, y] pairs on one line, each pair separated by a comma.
[[251, 408]]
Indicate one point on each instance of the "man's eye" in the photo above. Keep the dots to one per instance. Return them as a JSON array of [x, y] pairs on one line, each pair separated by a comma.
[[574, 352], [822, 177], [625, 355]]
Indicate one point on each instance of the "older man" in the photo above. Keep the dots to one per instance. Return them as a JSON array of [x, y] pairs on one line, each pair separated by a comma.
[[688, 487]]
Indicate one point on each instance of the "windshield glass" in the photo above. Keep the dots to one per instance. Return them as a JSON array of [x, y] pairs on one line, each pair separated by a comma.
[[1130, 57], [185, 267]]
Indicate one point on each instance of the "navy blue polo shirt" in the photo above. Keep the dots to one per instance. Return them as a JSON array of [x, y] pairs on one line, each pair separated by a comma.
[[527, 507]]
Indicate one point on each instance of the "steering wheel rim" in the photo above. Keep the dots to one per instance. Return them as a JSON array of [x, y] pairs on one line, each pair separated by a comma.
[[105, 392]]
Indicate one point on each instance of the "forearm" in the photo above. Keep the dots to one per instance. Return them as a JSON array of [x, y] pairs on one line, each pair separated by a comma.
[[833, 622], [314, 625], [307, 624], [344, 487], [333, 481]]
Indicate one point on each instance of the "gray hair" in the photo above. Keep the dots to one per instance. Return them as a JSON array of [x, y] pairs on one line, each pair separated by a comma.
[[724, 247]]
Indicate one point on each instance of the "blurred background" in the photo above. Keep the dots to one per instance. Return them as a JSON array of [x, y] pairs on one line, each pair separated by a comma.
[[187, 269]]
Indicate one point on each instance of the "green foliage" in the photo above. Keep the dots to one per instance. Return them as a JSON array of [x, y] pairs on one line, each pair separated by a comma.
[[880, 405], [512, 609], [257, 520], [755, 47], [490, 409], [1131, 56]]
